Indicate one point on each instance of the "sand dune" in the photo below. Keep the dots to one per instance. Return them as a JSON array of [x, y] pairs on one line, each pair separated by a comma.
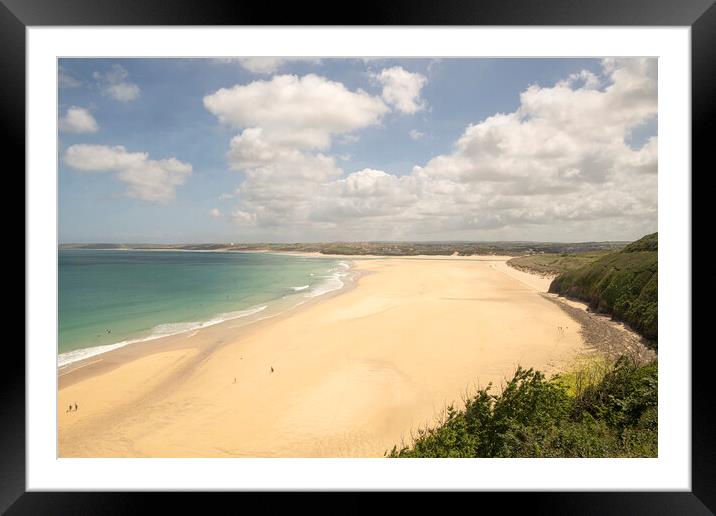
[[353, 374]]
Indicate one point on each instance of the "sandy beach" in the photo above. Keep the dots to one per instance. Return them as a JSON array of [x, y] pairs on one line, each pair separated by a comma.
[[352, 375]]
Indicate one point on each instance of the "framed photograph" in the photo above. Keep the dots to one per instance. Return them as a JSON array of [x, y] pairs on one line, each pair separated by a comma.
[[412, 250]]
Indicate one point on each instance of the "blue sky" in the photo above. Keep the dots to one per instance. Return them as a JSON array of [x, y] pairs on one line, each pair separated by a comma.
[[401, 163]]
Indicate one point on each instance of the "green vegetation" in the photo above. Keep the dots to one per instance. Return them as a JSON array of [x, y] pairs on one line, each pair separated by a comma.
[[623, 284], [615, 416], [553, 263], [646, 243], [382, 248], [589, 372]]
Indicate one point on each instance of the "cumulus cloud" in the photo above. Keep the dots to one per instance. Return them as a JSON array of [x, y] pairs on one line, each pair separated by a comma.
[[78, 120], [560, 137], [557, 167], [278, 181], [146, 179], [115, 84], [243, 217], [415, 134], [285, 125], [562, 155], [265, 65], [215, 213], [303, 112], [588, 79], [401, 89], [364, 194], [262, 64], [65, 80]]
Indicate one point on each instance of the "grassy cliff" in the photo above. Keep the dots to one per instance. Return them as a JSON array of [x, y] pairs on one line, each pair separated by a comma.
[[623, 284], [554, 263]]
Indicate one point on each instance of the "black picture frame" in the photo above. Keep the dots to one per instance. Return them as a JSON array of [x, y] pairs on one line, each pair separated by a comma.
[[700, 15]]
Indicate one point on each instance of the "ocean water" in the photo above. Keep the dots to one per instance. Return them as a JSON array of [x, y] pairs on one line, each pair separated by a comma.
[[110, 298]]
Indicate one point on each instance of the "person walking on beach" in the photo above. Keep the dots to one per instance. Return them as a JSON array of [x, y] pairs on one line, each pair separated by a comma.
[[272, 369], [70, 408], [75, 406]]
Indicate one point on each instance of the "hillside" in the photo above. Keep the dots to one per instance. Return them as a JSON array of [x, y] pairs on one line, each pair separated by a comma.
[[547, 264], [623, 284]]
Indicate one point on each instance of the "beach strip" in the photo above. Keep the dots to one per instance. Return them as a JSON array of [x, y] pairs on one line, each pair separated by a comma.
[[349, 375]]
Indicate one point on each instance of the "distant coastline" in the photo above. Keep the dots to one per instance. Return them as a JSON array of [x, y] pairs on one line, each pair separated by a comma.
[[516, 248]]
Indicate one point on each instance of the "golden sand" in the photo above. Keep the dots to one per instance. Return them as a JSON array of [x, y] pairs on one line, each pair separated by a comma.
[[352, 374]]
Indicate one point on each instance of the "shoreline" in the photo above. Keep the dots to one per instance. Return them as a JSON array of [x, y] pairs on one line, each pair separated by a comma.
[[355, 369], [243, 316], [210, 336], [112, 358], [604, 335], [600, 332], [247, 320]]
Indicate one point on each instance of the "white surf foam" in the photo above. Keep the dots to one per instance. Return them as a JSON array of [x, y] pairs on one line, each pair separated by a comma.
[[159, 331], [80, 354], [335, 280]]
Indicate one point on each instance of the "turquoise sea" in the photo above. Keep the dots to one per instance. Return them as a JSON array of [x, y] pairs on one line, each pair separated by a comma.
[[110, 298]]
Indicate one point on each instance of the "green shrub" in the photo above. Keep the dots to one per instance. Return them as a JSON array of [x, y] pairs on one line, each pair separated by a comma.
[[536, 417]]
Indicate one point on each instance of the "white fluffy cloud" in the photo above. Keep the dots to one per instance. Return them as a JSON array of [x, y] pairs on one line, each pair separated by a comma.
[[560, 137], [146, 179], [561, 157], [285, 123], [415, 134], [262, 64], [268, 65], [65, 80], [402, 89], [115, 84], [215, 213], [78, 120], [303, 112], [558, 167]]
